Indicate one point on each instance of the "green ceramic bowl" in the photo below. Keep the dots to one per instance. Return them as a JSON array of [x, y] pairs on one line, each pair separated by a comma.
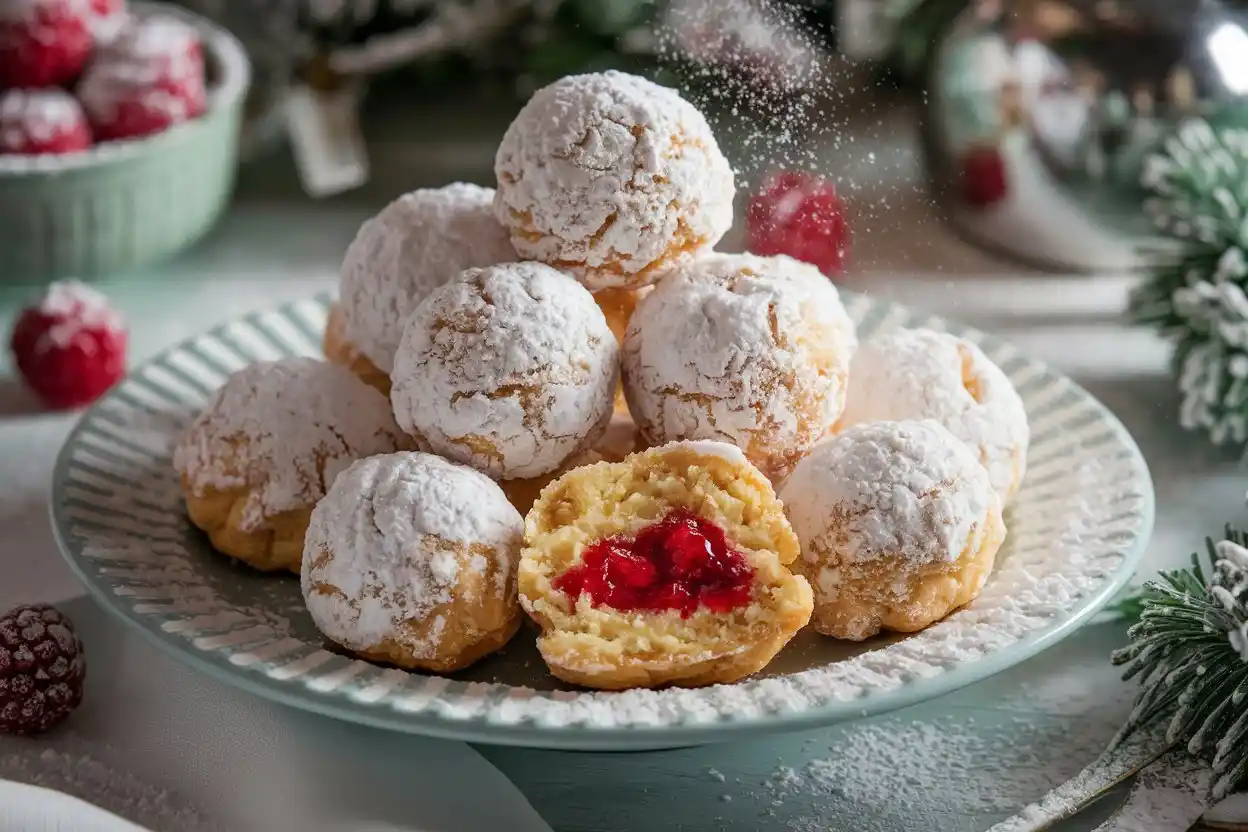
[[127, 204]]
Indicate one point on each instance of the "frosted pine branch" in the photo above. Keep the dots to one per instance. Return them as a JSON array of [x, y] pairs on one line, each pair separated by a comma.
[[1198, 184], [1190, 649]]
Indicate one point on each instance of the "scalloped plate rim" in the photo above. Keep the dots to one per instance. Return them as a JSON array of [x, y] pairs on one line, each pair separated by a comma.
[[635, 737]]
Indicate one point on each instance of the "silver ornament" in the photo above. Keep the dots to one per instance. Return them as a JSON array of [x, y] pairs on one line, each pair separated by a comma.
[[1041, 115]]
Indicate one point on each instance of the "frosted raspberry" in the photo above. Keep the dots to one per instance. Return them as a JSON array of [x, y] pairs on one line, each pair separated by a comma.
[[983, 181], [166, 46], [799, 215], [43, 43], [42, 669], [70, 347], [147, 79], [42, 121], [107, 18]]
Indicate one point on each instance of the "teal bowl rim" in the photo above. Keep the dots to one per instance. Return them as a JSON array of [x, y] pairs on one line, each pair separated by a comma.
[[226, 95], [637, 738]]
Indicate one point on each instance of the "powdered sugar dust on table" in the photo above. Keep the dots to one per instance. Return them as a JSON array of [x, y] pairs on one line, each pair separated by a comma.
[[1076, 533]]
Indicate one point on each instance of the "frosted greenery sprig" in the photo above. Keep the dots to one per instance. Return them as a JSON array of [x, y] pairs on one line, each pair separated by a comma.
[[1190, 652], [1194, 290]]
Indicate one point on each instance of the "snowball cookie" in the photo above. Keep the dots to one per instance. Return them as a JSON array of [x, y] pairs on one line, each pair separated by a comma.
[[749, 350], [510, 369], [899, 526], [267, 446], [524, 493], [618, 305], [411, 560], [417, 243], [665, 568], [611, 177], [339, 350], [921, 374]]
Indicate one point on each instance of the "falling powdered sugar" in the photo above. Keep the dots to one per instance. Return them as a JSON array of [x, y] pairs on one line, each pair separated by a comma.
[[780, 96], [758, 72], [284, 429], [385, 549]]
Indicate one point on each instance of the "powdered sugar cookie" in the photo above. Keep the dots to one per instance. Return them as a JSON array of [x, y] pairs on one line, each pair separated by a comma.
[[617, 306], [411, 560], [414, 245], [524, 493], [921, 374], [613, 178], [899, 525], [337, 348], [511, 369], [749, 350], [267, 446], [665, 568]]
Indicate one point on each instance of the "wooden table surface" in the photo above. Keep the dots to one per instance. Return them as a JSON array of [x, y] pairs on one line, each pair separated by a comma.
[[954, 764]]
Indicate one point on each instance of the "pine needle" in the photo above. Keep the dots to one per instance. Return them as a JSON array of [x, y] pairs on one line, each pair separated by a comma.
[[1195, 673]]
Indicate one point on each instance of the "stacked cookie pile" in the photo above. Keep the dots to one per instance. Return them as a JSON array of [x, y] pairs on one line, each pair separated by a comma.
[[456, 462]]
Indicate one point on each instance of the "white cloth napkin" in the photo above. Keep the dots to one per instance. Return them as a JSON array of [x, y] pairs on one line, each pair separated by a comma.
[[32, 809]]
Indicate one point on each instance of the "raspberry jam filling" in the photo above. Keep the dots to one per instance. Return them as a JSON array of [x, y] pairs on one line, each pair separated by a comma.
[[679, 563]]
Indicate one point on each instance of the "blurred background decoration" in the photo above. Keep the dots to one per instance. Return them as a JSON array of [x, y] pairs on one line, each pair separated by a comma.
[[1037, 114], [1042, 112], [330, 50]]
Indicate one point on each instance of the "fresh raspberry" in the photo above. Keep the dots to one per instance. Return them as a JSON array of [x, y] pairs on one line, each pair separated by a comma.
[[42, 121], [799, 215], [147, 79], [43, 43], [983, 180], [42, 668], [71, 347]]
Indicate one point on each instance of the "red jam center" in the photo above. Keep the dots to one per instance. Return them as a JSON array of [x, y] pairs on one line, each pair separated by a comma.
[[680, 563]]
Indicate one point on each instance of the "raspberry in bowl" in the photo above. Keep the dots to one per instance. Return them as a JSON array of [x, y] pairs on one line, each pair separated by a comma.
[[163, 95], [37, 122], [43, 43], [107, 18]]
